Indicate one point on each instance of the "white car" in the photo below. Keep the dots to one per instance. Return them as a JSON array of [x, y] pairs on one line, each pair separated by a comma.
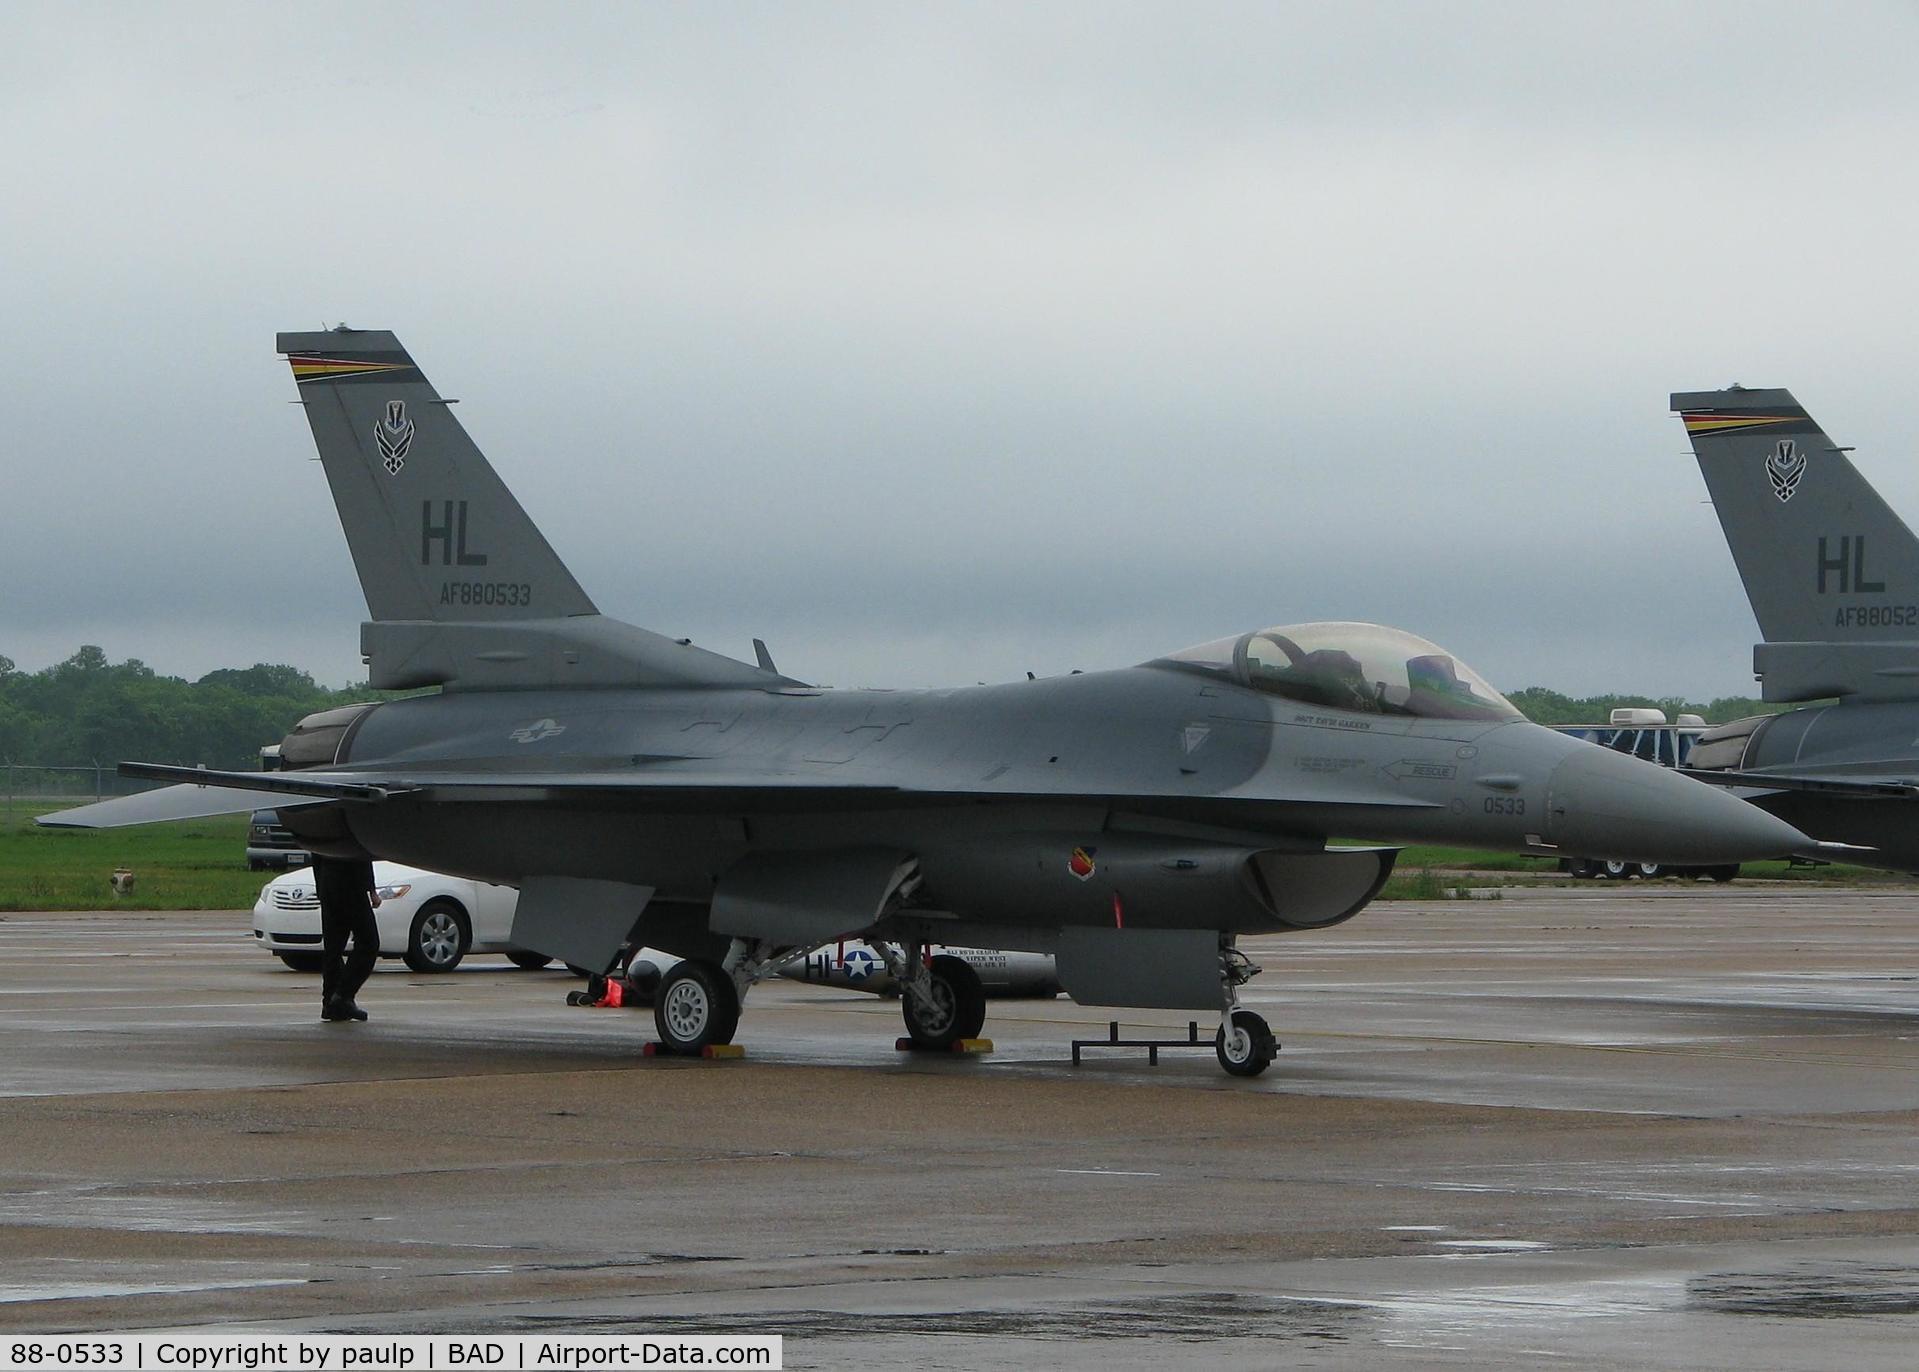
[[430, 919]]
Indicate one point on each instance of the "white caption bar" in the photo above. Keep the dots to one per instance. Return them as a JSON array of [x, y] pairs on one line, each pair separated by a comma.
[[399, 1353]]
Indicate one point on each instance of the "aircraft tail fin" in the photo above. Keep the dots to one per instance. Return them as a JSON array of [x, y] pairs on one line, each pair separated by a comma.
[[1823, 557], [435, 534], [462, 589]]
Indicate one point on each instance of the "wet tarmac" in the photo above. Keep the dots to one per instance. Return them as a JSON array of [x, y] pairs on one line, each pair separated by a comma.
[[1662, 1127]]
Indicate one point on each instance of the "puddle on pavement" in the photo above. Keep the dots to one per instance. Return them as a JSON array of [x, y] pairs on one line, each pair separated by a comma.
[[86, 1208], [97, 1290], [1837, 1291], [1195, 1317]]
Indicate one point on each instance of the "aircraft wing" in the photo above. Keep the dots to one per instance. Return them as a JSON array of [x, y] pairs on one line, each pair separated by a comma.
[[1853, 787], [205, 792], [679, 782]]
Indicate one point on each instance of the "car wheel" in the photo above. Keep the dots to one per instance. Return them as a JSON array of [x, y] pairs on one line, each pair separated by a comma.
[[528, 961], [439, 937], [301, 962]]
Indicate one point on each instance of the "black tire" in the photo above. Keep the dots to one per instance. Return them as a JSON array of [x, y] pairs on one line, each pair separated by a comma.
[[1729, 872], [696, 1007], [1617, 869], [958, 1009], [439, 937], [528, 961], [1581, 869], [1650, 871], [1251, 1049], [302, 962]]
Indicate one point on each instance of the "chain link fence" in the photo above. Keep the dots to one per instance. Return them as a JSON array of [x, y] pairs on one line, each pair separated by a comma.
[[31, 788]]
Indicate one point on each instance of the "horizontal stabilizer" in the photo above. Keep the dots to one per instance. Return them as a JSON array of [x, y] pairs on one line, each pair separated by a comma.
[[273, 783], [169, 802], [210, 793]]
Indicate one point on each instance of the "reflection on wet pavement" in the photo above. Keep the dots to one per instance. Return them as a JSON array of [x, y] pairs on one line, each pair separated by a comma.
[[1666, 1129]]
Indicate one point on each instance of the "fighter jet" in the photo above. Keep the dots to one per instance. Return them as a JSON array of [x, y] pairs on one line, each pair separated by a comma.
[[638, 789], [1833, 577]]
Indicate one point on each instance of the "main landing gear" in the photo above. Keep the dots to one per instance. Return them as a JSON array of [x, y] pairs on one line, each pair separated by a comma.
[[941, 999], [1245, 1045], [697, 1005]]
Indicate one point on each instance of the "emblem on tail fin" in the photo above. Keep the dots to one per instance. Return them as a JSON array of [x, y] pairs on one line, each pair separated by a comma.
[[394, 435], [1784, 468]]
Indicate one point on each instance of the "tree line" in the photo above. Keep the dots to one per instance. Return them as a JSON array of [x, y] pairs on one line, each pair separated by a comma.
[[1542, 706], [88, 709]]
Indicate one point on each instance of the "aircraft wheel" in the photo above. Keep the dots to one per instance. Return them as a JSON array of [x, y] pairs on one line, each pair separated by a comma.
[[1249, 1049], [1651, 871], [1581, 869], [1722, 874], [528, 961], [301, 962], [438, 939], [695, 1007], [957, 1009], [1616, 869]]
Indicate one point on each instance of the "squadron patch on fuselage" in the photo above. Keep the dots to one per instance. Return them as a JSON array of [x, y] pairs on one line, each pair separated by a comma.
[[1784, 467], [1081, 864], [394, 436]]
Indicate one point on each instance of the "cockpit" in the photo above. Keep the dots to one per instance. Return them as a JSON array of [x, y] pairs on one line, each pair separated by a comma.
[[1365, 668]]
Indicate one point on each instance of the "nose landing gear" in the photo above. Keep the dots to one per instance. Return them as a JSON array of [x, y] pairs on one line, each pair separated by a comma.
[[1245, 1044]]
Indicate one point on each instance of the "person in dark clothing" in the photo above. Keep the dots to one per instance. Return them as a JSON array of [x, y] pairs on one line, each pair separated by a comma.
[[347, 898]]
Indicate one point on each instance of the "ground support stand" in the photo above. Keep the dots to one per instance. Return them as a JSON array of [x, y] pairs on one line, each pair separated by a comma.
[[1152, 1046]]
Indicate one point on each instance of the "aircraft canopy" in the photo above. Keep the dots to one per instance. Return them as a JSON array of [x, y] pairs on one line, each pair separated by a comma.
[[1365, 668]]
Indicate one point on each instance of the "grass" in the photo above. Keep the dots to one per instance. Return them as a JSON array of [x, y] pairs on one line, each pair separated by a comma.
[[197, 864], [200, 864], [1428, 858]]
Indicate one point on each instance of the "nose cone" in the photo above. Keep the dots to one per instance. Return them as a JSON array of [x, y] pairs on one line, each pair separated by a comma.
[[1604, 804]]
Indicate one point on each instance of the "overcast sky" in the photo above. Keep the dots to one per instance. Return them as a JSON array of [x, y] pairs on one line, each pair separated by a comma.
[[937, 343]]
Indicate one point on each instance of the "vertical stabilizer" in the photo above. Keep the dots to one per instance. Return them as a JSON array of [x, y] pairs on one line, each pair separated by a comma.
[[435, 533], [1824, 559], [461, 589]]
